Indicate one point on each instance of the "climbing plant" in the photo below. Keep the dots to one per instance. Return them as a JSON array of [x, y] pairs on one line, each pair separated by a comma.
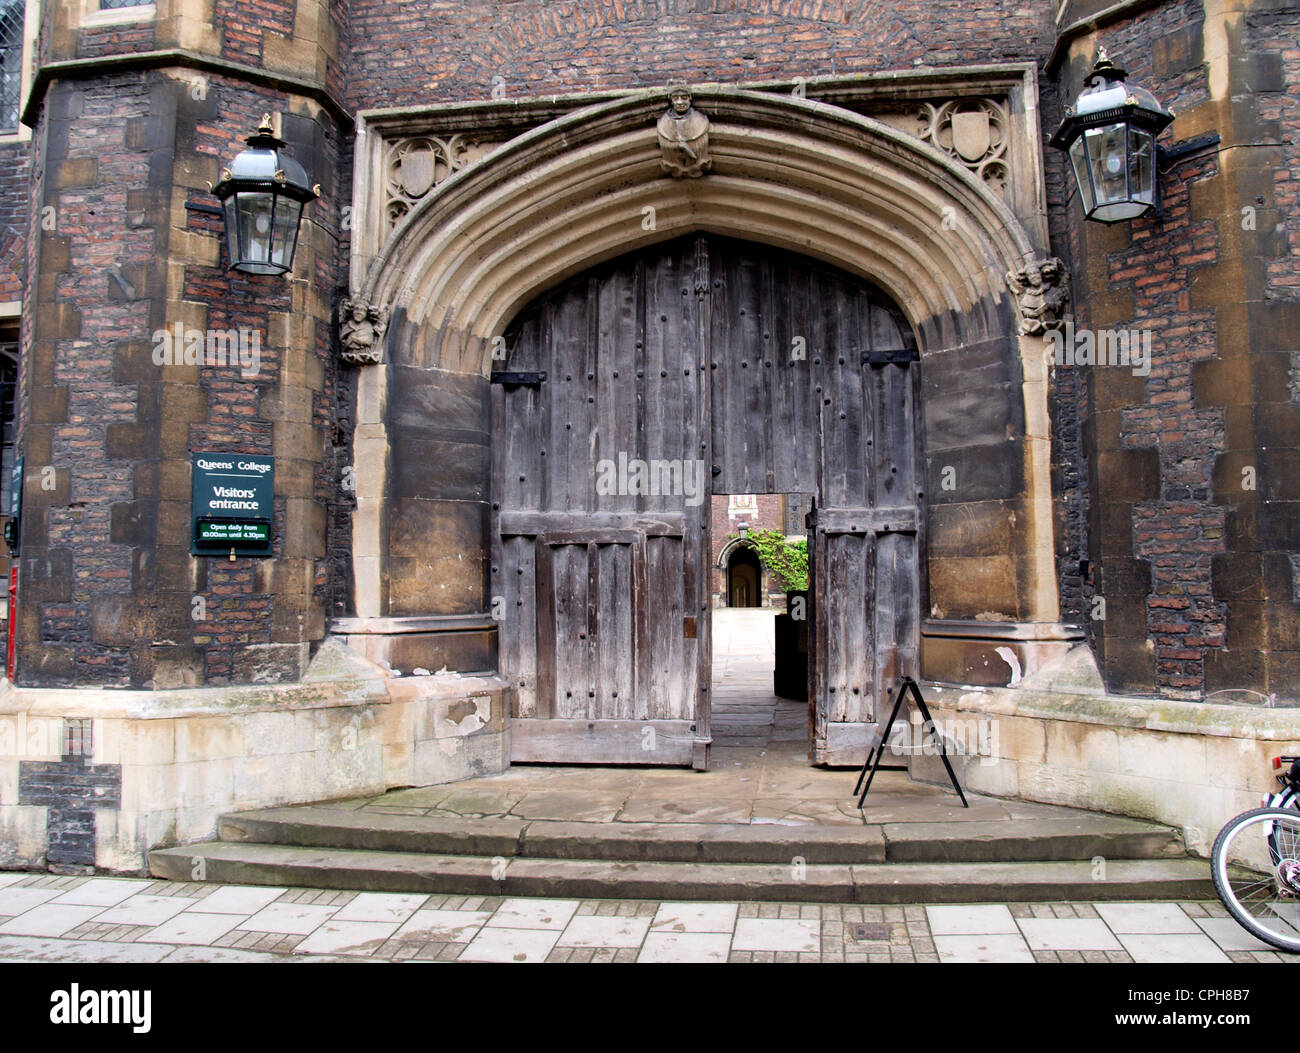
[[786, 561]]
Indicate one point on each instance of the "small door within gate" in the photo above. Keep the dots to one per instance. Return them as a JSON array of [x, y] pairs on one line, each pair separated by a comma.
[[627, 397]]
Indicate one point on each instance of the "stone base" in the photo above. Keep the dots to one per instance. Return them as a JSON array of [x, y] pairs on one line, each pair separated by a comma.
[[1059, 739], [465, 643], [158, 768], [991, 654]]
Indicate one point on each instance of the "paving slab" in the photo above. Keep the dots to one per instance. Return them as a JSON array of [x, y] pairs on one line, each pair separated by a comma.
[[593, 806], [510, 945], [534, 913], [695, 917], [37, 949], [49, 919], [1169, 947], [101, 892], [993, 948], [666, 810], [443, 926], [594, 931], [347, 937], [1068, 934], [685, 947], [1147, 917], [968, 920]]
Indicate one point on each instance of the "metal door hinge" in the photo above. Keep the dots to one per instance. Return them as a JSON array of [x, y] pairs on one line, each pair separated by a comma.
[[515, 380]]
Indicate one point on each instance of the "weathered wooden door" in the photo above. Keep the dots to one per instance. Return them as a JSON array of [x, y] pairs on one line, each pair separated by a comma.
[[599, 577], [864, 556], [814, 390], [624, 399]]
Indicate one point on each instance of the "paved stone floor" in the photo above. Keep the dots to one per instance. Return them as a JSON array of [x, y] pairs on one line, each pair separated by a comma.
[[759, 773], [758, 769], [96, 919]]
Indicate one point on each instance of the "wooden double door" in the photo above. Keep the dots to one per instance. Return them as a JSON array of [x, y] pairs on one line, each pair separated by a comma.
[[622, 401]]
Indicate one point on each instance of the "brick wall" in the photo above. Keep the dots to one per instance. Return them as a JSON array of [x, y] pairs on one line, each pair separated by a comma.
[[406, 53], [1189, 470], [1144, 468]]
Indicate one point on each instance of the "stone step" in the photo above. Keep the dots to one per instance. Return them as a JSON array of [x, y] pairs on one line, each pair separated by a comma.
[[1045, 840], [334, 868]]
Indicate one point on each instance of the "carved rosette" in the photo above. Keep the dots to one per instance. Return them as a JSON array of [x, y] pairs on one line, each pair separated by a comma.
[[1042, 292], [971, 131], [361, 332], [415, 166]]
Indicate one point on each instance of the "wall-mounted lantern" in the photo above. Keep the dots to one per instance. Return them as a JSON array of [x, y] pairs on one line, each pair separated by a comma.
[[263, 191], [1110, 134]]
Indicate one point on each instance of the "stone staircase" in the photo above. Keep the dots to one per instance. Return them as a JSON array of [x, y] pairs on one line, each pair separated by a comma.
[[1079, 856]]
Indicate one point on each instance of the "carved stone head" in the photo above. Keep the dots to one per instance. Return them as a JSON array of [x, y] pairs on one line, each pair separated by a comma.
[[680, 98]]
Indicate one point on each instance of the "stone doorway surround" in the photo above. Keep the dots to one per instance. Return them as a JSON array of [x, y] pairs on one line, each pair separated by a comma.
[[928, 184]]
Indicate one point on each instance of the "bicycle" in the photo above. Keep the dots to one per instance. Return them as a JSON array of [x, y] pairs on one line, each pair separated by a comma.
[[1255, 864]]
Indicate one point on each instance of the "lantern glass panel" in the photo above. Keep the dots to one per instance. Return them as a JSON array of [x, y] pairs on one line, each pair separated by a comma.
[[1141, 170], [287, 213], [1107, 147], [232, 229], [1079, 158], [256, 229]]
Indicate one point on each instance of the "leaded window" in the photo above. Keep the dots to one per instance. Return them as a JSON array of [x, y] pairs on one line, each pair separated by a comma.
[[11, 62]]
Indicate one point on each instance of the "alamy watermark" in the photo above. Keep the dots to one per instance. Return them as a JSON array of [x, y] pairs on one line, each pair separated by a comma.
[[976, 737], [632, 476], [215, 348], [1101, 347]]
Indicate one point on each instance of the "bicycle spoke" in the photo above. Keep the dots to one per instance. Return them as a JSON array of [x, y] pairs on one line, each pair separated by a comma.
[[1253, 858]]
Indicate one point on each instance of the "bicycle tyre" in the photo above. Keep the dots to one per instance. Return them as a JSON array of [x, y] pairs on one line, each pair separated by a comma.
[[1253, 889]]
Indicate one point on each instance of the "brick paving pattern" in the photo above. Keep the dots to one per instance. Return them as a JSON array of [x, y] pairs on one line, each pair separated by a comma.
[[46, 918]]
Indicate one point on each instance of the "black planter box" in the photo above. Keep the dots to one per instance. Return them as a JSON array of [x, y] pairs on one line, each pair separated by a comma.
[[790, 676]]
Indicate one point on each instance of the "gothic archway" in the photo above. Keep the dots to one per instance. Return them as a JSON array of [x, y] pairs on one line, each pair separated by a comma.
[[787, 172]]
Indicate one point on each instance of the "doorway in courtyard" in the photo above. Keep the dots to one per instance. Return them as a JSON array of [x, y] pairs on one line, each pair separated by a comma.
[[622, 401]]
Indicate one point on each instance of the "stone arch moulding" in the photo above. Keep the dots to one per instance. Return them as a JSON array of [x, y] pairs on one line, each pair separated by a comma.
[[724, 554], [793, 173]]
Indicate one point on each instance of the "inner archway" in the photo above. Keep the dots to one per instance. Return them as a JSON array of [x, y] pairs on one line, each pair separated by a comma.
[[744, 575]]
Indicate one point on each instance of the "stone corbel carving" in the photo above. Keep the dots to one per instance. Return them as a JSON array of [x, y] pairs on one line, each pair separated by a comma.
[[361, 332], [684, 138], [1042, 291]]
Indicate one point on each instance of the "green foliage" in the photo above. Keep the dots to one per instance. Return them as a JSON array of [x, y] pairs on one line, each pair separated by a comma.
[[786, 561]]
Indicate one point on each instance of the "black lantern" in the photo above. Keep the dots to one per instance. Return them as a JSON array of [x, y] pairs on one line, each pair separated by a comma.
[[263, 191], [1110, 135]]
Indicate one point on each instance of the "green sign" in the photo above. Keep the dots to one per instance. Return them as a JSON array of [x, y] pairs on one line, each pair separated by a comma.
[[232, 504]]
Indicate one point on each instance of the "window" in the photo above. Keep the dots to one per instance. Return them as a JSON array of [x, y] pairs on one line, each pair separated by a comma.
[[110, 5], [11, 62]]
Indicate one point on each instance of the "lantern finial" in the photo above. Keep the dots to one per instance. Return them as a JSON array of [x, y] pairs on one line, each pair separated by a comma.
[[266, 127]]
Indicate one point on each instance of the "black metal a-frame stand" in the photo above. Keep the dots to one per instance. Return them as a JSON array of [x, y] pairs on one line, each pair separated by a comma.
[[905, 684]]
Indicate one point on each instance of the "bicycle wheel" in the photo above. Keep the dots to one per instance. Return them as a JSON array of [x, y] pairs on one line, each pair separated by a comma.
[[1255, 864]]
